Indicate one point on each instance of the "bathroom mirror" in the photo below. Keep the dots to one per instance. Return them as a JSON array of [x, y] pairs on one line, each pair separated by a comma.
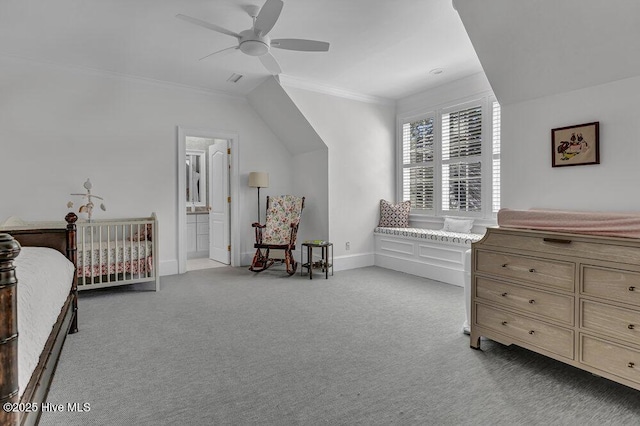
[[196, 178]]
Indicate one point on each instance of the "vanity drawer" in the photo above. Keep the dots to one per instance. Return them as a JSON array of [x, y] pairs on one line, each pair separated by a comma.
[[610, 357], [612, 284], [553, 306], [551, 273], [610, 320], [564, 245], [537, 333], [202, 227]]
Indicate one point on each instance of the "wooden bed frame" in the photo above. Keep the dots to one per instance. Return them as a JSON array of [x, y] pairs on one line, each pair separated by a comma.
[[61, 239]]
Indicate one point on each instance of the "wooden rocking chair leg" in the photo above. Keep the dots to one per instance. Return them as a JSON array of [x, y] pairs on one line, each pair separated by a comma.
[[292, 265], [259, 262]]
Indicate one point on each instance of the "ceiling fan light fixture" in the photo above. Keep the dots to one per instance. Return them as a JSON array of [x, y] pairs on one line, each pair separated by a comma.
[[254, 47]]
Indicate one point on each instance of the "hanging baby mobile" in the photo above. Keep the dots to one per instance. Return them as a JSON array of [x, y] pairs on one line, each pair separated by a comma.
[[88, 207]]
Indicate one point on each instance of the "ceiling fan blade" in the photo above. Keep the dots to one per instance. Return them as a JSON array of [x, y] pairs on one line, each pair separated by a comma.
[[220, 51], [208, 25], [300, 44], [267, 17], [270, 63]]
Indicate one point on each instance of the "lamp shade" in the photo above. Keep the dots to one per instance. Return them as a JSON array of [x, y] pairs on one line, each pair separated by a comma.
[[259, 179]]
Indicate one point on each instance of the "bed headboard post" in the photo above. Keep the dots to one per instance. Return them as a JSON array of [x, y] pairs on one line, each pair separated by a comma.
[[9, 250], [72, 255]]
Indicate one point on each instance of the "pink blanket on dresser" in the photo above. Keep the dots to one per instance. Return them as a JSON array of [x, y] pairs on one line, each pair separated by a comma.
[[592, 223]]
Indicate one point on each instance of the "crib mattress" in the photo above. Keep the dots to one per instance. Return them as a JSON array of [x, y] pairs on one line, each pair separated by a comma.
[[108, 258], [44, 282]]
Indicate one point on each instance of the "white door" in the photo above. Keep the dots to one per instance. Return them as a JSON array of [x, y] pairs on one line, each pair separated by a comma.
[[219, 228]]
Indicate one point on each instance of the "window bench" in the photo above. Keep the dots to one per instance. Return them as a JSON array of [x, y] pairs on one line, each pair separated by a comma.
[[429, 253]]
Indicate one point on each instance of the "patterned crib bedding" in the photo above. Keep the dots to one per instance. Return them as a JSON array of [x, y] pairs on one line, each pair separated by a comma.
[[431, 234], [107, 258]]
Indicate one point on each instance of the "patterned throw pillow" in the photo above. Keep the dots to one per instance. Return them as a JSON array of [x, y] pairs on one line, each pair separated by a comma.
[[394, 215]]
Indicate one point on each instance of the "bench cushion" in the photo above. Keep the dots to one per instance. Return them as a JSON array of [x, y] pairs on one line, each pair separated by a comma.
[[430, 234]]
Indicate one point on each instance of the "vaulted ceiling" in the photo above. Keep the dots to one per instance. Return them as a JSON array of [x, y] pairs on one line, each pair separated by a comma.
[[531, 49], [379, 48]]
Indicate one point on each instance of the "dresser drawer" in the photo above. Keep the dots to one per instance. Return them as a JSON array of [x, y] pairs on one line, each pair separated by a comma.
[[610, 320], [612, 284], [610, 357], [553, 306], [565, 245], [551, 273], [537, 333]]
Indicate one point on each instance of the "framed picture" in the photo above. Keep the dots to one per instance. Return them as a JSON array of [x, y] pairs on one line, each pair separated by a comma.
[[575, 145]]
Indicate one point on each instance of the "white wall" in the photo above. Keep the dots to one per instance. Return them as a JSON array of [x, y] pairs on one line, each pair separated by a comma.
[[310, 161], [311, 180], [528, 180], [360, 138], [60, 125]]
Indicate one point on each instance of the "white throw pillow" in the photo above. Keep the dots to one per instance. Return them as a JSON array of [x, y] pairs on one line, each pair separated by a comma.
[[457, 225]]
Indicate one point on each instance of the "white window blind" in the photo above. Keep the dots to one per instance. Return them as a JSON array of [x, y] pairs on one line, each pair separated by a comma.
[[450, 159], [418, 163], [461, 160], [495, 120]]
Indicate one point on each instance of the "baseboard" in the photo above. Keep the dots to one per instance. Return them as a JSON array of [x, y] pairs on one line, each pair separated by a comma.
[[353, 261], [421, 269], [340, 263]]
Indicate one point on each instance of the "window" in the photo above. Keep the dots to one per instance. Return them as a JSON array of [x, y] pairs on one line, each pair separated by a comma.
[[442, 160], [495, 120], [418, 163]]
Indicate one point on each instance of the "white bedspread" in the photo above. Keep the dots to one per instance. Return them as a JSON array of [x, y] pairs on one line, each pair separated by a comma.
[[44, 282]]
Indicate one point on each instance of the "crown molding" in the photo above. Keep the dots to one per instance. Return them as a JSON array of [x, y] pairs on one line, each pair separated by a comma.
[[124, 76], [298, 83]]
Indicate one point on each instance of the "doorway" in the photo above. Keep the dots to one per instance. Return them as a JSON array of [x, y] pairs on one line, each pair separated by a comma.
[[207, 188]]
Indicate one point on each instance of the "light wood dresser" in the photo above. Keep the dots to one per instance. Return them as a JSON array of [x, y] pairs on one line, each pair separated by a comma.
[[572, 297]]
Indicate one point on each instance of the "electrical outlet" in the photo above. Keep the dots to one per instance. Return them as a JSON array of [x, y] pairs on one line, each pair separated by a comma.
[[347, 246]]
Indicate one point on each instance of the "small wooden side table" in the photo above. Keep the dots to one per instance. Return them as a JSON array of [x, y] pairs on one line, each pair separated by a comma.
[[324, 263]]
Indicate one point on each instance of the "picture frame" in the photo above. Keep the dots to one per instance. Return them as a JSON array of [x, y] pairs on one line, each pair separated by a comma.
[[576, 145]]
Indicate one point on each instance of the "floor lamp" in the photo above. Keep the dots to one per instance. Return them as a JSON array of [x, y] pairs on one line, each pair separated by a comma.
[[259, 180]]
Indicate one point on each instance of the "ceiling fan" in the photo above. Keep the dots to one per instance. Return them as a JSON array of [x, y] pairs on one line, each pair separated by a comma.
[[256, 42]]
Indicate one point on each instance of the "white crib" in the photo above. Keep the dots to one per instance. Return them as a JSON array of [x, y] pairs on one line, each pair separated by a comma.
[[117, 252]]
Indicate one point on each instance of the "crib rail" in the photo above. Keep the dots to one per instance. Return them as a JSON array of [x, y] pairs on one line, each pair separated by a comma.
[[117, 252]]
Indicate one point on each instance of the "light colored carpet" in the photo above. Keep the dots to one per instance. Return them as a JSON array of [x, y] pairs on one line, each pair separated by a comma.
[[367, 346]]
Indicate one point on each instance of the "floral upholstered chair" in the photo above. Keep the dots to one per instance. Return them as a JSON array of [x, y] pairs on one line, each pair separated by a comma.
[[276, 239]]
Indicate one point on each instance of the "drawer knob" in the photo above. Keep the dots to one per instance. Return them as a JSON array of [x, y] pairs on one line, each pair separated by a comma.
[[631, 326], [532, 270], [504, 294], [504, 265], [631, 365], [632, 288], [532, 332], [504, 323], [532, 301]]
